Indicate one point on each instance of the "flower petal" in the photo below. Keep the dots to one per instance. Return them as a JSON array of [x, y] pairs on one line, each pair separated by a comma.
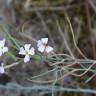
[[44, 40], [1, 52], [32, 51], [27, 58], [39, 43], [22, 51], [41, 49], [5, 49], [49, 49], [2, 69], [27, 46], [2, 42]]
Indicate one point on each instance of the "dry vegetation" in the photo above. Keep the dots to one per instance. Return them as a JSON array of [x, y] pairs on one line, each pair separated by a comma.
[[70, 26]]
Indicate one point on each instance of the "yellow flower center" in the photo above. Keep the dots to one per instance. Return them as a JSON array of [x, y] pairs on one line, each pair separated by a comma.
[[1, 47], [26, 52]]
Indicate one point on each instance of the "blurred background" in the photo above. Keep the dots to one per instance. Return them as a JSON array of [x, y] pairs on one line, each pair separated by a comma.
[[33, 19]]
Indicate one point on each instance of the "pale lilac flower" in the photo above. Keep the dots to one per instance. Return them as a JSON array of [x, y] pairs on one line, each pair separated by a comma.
[[2, 69], [43, 47], [27, 51], [3, 48]]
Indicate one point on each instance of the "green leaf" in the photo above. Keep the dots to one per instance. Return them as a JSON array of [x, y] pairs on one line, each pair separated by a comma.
[[12, 56], [36, 57]]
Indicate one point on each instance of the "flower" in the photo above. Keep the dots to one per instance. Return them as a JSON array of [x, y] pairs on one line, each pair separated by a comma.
[[2, 69], [3, 49], [27, 51], [43, 47]]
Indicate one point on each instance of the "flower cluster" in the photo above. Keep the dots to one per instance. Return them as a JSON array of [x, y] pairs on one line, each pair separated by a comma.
[[43, 45], [27, 51]]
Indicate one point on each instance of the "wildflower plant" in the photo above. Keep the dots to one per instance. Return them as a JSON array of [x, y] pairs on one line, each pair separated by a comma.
[[54, 60], [62, 64]]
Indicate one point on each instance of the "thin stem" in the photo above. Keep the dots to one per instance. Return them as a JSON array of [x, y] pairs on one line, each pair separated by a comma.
[[67, 17]]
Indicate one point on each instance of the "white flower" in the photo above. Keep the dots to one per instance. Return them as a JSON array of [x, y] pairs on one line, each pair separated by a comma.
[[43, 47], [2, 69], [27, 51], [3, 49]]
